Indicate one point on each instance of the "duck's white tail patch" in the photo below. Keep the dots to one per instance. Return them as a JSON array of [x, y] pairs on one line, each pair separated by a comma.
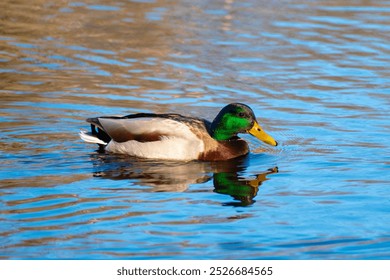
[[89, 138]]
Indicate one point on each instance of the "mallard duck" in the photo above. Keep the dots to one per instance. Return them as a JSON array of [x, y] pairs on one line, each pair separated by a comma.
[[177, 137]]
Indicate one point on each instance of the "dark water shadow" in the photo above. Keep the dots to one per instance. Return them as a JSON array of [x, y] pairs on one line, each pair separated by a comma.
[[172, 176]]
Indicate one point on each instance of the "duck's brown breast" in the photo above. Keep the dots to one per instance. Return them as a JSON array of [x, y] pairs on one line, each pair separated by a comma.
[[225, 150]]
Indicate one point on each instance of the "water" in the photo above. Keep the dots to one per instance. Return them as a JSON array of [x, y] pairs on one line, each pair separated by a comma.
[[316, 73]]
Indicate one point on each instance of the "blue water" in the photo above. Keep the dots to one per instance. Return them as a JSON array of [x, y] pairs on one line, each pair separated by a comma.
[[316, 73]]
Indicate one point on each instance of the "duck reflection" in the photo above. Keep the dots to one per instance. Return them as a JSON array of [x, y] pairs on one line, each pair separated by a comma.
[[241, 189], [178, 176]]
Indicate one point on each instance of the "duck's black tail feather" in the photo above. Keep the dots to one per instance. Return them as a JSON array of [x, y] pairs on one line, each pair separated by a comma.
[[97, 134], [97, 130]]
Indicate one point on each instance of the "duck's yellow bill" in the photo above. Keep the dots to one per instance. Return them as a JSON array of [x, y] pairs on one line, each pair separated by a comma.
[[260, 134]]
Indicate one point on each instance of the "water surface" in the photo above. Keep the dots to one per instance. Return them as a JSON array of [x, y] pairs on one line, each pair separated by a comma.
[[316, 73]]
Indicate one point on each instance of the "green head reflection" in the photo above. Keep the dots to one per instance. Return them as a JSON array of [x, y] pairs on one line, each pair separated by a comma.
[[242, 190]]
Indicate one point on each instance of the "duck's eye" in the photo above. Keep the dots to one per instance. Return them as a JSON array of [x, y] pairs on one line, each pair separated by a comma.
[[241, 115]]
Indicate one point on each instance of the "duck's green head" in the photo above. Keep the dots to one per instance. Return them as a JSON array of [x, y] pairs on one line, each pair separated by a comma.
[[238, 118]]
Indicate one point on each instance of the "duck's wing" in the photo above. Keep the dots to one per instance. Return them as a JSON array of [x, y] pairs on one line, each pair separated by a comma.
[[145, 127]]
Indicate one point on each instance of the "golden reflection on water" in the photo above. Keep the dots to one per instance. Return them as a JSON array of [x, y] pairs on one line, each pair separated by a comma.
[[105, 54], [84, 49]]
